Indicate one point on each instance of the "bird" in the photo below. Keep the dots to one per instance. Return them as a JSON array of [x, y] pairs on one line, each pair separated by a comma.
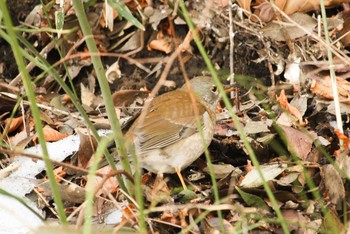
[[166, 138]]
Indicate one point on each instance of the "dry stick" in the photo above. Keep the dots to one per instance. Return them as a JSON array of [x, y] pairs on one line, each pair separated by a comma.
[[232, 44], [164, 75], [77, 44], [166, 223], [340, 38], [125, 56], [80, 219], [201, 206], [31, 65], [234, 94], [89, 54], [13, 89], [75, 168], [50, 108], [152, 60], [76, 211], [40, 196]]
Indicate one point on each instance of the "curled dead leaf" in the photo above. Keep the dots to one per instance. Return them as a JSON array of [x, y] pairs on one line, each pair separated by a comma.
[[15, 123], [322, 87], [51, 134], [283, 101], [162, 43]]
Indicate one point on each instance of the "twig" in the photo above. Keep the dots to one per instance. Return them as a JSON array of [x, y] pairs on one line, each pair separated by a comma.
[[31, 65]]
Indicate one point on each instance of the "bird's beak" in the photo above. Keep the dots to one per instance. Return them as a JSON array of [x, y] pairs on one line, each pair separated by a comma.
[[230, 87]]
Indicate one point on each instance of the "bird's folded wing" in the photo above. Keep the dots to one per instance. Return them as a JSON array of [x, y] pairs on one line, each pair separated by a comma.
[[169, 119]]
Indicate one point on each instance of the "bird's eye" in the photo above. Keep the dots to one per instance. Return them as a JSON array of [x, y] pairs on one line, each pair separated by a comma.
[[214, 89]]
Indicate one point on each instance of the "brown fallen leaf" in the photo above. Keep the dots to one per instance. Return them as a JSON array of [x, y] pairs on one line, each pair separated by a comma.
[[161, 43], [344, 138], [59, 174], [15, 123], [51, 134], [322, 87], [292, 32], [69, 192], [283, 101], [87, 147], [291, 6], [333, 184], [299, 222], [298, 141]]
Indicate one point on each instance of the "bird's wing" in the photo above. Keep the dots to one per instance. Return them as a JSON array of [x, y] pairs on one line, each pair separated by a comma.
[[163, 125]]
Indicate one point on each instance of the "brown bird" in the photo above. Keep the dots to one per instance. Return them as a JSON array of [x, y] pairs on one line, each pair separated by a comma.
[[166, 137]]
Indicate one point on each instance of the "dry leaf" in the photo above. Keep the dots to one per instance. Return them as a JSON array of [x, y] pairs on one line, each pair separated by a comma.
[[222, 3], [269, 171], [133, 43], [322, 87], [113, 72], [343, 162], [266, 13], [225, 128], [162, 43], [213, 225], [298, 142], [344, 138], [87, 97], [69, 192], [333, 183], [283, 101], [15, 123], [158, 191], [220, 170], [291, 6], [344, 33], [51, 134], [87, 147], [273, 29], [299, 222], [110, 185], [254, 127]]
